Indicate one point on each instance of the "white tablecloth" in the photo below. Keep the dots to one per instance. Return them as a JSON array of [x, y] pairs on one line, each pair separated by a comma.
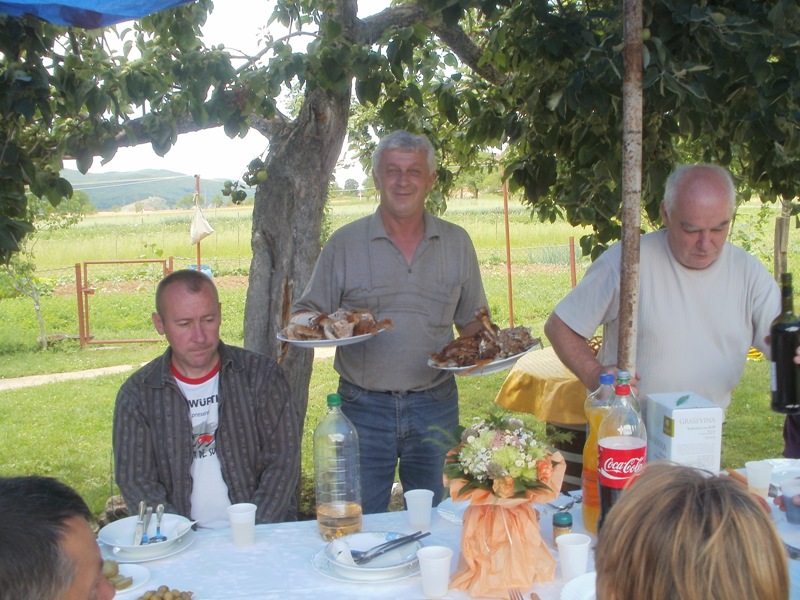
[[279, 565]]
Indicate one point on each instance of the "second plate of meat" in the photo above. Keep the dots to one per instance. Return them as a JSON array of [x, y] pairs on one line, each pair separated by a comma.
[[488, 351], [494, 366]]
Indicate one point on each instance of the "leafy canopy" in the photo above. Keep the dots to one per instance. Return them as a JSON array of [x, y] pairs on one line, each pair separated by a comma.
[[539, 80]]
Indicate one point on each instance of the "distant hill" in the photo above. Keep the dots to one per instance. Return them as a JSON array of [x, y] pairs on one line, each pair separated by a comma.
[[114, 190]]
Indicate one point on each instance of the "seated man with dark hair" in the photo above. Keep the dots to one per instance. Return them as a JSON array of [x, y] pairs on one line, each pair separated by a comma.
[[205, 425], [47, 548]]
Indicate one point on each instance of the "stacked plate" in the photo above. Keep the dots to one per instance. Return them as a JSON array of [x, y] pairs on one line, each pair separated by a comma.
[[336, 561], [116, 539], [784, 469], [580, 588]]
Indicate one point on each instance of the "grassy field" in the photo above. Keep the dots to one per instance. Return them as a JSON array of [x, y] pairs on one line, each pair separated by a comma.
[[65, 429]]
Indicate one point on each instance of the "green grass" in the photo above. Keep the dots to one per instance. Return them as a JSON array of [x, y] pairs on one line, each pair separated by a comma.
[[65, 429]]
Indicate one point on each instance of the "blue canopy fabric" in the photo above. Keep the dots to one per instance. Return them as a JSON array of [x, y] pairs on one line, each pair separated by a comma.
[[89, 14]]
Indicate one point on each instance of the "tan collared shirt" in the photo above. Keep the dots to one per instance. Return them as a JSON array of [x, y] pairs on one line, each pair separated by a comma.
[[360, 267]]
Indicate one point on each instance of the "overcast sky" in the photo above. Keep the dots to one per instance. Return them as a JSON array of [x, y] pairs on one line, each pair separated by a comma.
[[211, 154]]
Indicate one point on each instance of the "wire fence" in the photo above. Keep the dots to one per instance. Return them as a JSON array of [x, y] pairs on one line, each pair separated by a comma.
[[116, 298]]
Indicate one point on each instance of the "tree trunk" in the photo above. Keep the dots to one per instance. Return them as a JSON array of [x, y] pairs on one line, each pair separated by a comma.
[[631, 185], [287, 219]]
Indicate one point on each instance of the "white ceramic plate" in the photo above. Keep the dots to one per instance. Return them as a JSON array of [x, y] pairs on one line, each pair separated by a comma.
[[580, 588], [330, 343], [121, 556], [452, 511], [782, 468], [140, 575], [493, 367], [119, 534], [389, 565], [323, 565]]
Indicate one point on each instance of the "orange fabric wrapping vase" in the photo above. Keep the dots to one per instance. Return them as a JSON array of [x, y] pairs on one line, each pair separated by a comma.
[[501, 543]]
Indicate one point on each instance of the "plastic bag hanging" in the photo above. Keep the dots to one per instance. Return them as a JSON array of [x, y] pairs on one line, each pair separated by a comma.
[[200, 227]]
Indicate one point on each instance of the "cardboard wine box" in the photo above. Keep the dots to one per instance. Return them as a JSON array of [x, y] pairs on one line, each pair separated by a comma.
[[684, 428]]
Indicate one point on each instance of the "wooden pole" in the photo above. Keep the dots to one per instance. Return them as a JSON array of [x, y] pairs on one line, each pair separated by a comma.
[[573, 275], [508, 258], [631, 184], [196, 200]]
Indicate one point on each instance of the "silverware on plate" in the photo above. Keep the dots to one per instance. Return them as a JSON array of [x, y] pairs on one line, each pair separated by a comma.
[[158, 537], [137, 534], [361, 557], [147, 517]]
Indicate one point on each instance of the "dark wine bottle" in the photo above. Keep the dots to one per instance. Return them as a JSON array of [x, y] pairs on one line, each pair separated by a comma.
[[785, 337]]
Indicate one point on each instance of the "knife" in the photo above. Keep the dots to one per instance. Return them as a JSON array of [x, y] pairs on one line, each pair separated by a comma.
[[147, 517], [137, 535]]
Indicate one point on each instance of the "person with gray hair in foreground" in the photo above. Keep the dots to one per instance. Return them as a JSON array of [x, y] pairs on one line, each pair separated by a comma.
[[48, 550]]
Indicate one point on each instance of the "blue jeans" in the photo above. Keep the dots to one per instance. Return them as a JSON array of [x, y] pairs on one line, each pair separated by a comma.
[[418, 428]]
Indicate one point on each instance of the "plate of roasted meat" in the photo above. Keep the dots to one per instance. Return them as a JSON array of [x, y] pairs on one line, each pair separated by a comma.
[[488, 351], [340, 328]]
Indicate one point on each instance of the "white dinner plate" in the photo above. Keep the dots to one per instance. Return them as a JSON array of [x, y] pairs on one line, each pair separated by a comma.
[[781, 468], [580, 588], [452, 511], [138, 573], [388, 565], [330, 343], [493, 367], [120, 533], [322, 564], [121, 556]]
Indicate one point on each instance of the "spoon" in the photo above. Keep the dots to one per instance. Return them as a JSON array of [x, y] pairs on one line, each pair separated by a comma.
[[158, 537]]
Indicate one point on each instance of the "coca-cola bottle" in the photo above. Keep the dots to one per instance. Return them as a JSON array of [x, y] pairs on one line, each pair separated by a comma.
[[621, 449]]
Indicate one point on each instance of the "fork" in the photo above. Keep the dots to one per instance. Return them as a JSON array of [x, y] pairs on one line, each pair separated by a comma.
[[514, 594]]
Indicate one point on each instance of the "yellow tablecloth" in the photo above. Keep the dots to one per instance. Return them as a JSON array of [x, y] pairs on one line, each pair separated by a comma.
[[540, 384]]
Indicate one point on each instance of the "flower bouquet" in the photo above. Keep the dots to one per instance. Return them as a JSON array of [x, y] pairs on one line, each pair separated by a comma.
[[503, 465]]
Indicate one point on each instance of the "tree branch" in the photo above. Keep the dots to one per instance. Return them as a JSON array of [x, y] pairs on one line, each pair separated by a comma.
[[370, 30], [467, 51]]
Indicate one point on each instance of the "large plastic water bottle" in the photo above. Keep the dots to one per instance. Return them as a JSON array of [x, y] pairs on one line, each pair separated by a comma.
[[336, 473], [596, 406]]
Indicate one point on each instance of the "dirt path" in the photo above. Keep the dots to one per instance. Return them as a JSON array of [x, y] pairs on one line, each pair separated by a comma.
[[34, 380]]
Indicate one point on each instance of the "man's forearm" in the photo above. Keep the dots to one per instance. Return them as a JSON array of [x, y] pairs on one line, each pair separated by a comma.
[[573, 350]]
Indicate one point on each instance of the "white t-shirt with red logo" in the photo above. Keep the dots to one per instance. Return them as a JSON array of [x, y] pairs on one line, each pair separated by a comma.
[[209, 492]]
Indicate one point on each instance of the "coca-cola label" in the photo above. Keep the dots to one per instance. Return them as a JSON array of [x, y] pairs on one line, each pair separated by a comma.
[[619, 459]]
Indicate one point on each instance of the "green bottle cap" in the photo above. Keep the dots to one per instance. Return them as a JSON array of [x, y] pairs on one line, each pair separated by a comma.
[[334, 400], [562, 519]]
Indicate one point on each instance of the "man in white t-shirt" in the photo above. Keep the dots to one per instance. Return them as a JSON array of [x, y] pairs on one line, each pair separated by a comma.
[[205, 425], [703, 302]]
